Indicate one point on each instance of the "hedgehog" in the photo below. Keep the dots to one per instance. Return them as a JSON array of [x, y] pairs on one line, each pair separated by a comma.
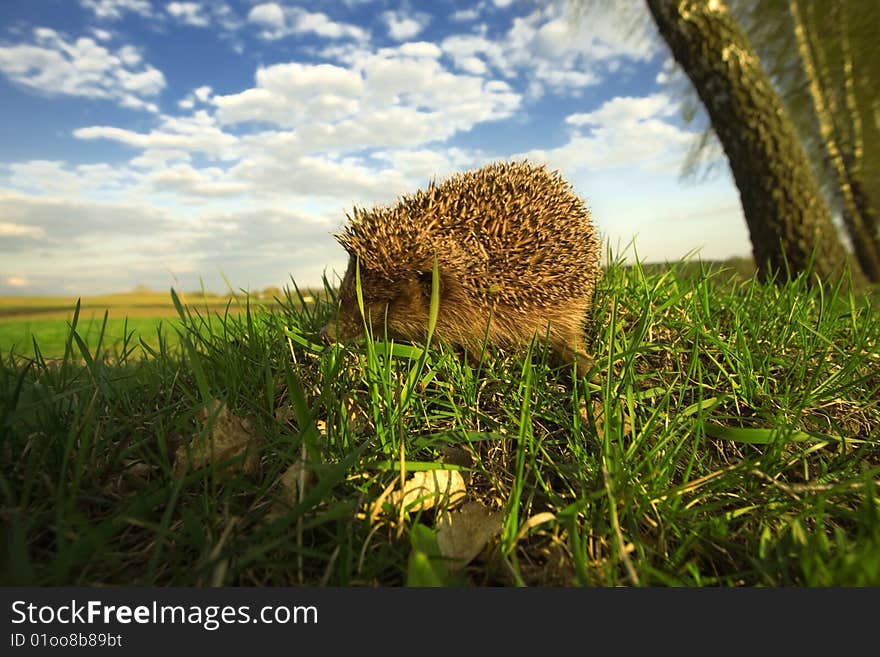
[[516, 253]]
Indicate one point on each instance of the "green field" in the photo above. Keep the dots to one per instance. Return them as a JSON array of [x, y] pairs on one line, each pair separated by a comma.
[[18, 335], [138, 316], [728, 435]]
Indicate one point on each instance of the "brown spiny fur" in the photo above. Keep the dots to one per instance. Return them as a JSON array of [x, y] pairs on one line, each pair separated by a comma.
[[515, 251]]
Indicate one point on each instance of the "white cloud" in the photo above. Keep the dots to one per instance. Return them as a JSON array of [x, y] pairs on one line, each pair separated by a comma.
[[115, 9], [129, 55], [52, 177], [279, 22], [197, 133], [567, 79], [198, 95], [272, 231], [101, 246], [402, 27], [464, 50], [555, 47], [55, 66], [147, 83], [626, 110], [44, 176], [287, 241], [623, 133], [319, 24], [102, 35], [112, 246], [223, 15], [414, 49], [189, 13], [214, 14], [392, 97], [268, 14], [9, 229], [187, 182], [55, 221], [464, 15], [202, 93], [158, 158], [422, 165], [323, 131], [287, 94], [473, 65], [320, 176], [16, 281]]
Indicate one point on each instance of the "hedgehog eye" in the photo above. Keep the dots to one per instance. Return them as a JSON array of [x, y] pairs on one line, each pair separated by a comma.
[[425, 278]]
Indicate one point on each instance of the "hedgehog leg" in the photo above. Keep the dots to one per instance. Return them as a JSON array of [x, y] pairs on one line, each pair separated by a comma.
[[570, 348]]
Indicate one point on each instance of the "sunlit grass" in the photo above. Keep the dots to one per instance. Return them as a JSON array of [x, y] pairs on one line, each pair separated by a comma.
[[51, 334], [728, 435]]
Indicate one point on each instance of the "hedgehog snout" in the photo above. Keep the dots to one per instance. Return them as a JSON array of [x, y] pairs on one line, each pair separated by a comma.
[[342, 327]]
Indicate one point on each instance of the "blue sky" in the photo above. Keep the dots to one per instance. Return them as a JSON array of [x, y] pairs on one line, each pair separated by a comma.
[[146, 142]]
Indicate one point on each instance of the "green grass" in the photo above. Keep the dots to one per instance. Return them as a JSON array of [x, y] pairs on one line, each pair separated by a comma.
[[47, 319], [729, 435], [18, 335]]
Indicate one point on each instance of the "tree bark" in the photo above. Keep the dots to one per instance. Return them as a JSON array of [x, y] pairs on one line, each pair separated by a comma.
[[865, 243], [854, 157], [789, 223]]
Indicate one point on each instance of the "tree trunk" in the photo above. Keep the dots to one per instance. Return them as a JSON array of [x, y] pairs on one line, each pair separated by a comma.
[[788, 220], [856, 210], [854, 157]]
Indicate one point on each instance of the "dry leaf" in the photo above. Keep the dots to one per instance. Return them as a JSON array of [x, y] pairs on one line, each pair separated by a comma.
[[228, 436], [429, 488], [463, 534], [293, 482], [534, 521], [291, 488]]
